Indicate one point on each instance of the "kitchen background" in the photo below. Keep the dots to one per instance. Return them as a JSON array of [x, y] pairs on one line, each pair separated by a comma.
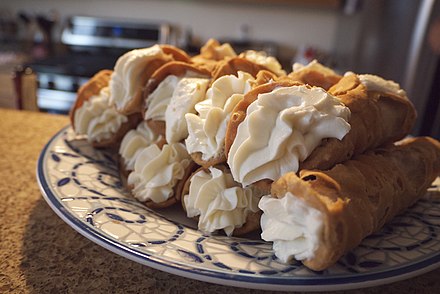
[[384, 37]]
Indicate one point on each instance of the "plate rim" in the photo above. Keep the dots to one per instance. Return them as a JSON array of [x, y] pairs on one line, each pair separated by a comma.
[[342, 282]]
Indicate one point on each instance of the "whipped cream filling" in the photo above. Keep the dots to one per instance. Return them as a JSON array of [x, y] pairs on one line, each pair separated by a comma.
[[156, 172], [159, 99], [294, 227], [135, 141], [127, 77], [188, 91], [313, 65], [97, 118], [219, 201], [378, 84], [207, 130], [281, 129], [172, 99], [261, 58]]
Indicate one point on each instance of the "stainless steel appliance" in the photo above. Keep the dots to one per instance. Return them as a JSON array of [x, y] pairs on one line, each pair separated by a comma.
[[90, 44], [389, 38]]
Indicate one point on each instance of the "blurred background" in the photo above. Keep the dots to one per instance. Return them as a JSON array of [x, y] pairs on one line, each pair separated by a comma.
[[48, 48]]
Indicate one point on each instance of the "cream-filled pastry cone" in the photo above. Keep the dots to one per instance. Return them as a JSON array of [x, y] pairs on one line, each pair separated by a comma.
[[233, 65], [261, 58], [281, 128], [215, 55], [94, 116], [321, 215], [207, 127], [159, 174], [212, 52], [314, 74], [173, 91], [239, 112], [132, 71], [381, 113], [219, 203]]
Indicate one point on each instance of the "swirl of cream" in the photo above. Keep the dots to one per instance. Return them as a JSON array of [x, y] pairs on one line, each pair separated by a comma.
[[127, 77], [281, 129], [157, 171], [207, 130], [135, 141], [97, 118], [261, 58], [219, 201], [294, 227], [187, 93]]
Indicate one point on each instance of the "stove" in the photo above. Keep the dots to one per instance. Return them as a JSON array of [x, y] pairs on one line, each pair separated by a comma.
[[91, 44]]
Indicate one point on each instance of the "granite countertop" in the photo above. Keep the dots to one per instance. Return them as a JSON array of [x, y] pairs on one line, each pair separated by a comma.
[[40, 253]]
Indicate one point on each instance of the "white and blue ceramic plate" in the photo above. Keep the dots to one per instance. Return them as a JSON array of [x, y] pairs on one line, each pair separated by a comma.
[[83, 187]]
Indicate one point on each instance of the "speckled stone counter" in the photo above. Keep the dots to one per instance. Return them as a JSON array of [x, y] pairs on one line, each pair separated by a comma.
[[39, 253]]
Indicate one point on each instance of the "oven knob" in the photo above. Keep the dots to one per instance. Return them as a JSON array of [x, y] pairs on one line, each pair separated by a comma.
[[51, 85]]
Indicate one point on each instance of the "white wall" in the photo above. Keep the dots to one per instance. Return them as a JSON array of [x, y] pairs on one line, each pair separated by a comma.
[[289, 25]]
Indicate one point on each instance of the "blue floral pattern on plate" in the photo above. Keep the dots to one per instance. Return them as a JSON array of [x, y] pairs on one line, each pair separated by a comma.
[[83, 187]]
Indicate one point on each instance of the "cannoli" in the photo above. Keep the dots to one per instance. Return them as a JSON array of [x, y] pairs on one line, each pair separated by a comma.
[[321, 215], [172, 91], [314, 74], [219, 203], [239, 112], [207, 128], [93, 114], [261, 58], [159, 174], [281, 128], [380, 114], [133, 70], [373, 112], [212, 52]]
